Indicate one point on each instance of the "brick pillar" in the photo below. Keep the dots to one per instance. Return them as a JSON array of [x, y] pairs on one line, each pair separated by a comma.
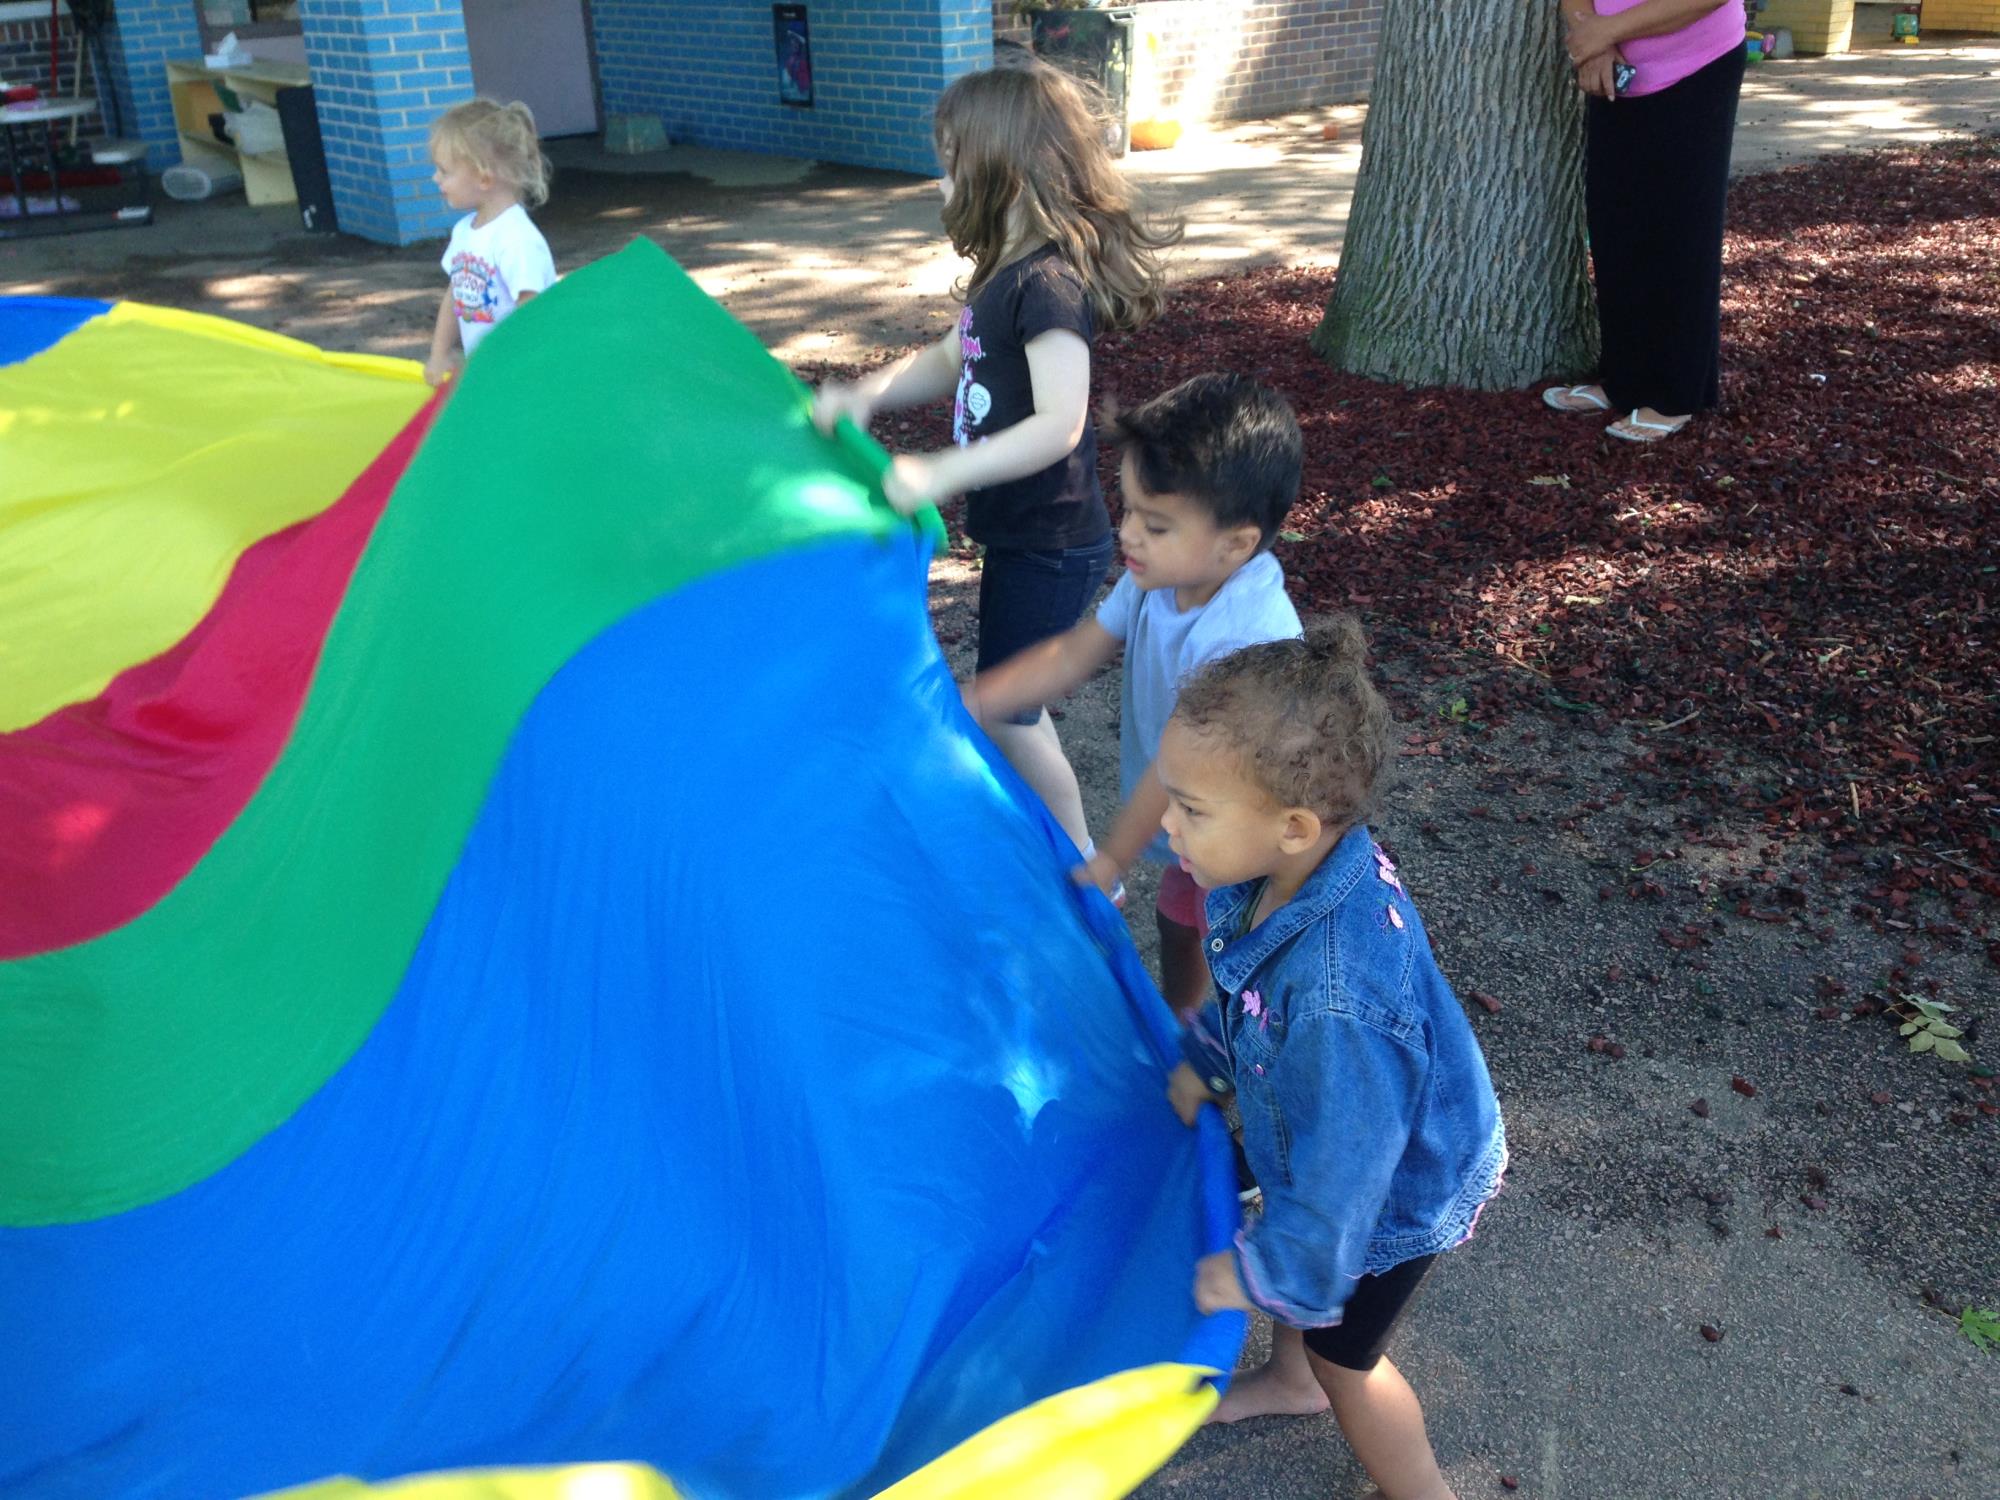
[[146, 35], [710, 73], [382, 71]]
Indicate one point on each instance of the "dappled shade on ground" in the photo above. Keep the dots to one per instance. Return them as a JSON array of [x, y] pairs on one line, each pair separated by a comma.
[[1807, 575]]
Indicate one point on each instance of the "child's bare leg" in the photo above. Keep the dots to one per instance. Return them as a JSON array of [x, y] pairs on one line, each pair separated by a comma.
[[1184, 977], [1383, 1423], [1284, 1386], [1035, 751]]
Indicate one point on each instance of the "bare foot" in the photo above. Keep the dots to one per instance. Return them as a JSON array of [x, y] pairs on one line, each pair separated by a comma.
[[1269, 1392], [1646, 426]]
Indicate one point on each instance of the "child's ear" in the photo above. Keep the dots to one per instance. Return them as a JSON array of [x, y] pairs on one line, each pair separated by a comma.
[[1240, 544], [1301, 831]]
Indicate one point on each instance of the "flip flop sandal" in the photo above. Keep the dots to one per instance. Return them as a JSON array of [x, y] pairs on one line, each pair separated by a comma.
[[1642, 431], [1575, 398]]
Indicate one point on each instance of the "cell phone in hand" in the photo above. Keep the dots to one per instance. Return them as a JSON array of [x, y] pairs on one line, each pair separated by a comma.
[[1622, 74]]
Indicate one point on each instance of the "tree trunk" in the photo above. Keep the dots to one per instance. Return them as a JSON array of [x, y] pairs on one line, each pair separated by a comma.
[[1465, 262]]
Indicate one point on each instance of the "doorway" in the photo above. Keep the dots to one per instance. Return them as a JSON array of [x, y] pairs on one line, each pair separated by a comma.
[[537, 51]]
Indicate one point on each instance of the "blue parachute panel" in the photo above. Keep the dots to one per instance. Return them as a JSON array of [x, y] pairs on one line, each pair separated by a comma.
[[28, 325], [763, 1103]]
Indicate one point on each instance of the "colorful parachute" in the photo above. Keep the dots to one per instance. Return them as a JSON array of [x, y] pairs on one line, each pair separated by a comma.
[[512, 955]]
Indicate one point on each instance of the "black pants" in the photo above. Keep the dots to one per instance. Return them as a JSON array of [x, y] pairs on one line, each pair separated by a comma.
[[1655, 179]]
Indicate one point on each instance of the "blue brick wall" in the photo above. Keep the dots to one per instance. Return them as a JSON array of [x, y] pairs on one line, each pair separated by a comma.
[[707, 68], [145, 36], [382, 71]]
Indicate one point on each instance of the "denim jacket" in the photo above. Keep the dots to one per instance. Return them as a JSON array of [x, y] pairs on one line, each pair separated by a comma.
[[1368, 1115]]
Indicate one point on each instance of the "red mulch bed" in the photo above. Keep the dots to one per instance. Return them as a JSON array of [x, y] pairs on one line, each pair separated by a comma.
[[1804, 587]]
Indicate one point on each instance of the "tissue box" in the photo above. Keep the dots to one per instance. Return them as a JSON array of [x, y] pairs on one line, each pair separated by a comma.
[[230, 54]]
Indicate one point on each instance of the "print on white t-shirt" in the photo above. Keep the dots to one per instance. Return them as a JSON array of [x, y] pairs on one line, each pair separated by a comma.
[[490, 266]]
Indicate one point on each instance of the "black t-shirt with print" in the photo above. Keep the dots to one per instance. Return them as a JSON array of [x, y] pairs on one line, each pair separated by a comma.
[[1062, 505]]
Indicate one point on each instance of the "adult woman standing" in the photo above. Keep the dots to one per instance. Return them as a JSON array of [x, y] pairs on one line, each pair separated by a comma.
[[1656, 177]]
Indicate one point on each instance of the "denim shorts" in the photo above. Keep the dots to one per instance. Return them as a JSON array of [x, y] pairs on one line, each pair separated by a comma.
[[1027, 596]]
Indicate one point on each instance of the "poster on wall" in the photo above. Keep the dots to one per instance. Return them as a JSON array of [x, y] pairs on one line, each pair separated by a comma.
[[795, 66]]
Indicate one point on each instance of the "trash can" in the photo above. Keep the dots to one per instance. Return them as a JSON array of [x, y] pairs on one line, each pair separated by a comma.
[[1096, 46], [307, 153]]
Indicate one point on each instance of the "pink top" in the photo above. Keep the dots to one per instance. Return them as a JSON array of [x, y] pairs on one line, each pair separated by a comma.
[[1664, 61]]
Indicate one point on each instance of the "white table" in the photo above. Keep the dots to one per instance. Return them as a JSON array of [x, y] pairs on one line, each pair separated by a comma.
[[43, 112], [47, 109]]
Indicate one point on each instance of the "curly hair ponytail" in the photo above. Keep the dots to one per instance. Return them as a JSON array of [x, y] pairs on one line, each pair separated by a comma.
[[1304, 716]]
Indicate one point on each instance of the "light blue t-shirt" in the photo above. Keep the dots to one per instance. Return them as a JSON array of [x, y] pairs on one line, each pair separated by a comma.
[[1164, 644]]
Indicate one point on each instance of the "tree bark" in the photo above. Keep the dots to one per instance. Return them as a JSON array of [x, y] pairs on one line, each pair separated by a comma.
[[1465, 262]]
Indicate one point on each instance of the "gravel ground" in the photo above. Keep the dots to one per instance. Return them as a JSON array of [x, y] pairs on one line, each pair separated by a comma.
[[1562, 1346]]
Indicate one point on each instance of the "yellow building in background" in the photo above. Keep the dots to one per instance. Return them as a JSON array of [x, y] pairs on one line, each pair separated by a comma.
[[1816, 25], [1962, 15]]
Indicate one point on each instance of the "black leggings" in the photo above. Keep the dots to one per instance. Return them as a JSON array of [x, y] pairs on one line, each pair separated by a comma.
[[1361, 1337], [1656, 176]]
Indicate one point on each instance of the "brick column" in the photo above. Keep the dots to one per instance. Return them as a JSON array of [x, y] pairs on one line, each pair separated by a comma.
[[710, 72], [145, 35], [382, 71]]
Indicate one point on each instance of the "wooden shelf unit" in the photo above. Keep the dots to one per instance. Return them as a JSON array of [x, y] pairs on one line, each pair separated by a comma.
[[267, 175]]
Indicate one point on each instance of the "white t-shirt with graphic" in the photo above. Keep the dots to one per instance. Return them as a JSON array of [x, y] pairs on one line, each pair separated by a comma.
[[491, 266]]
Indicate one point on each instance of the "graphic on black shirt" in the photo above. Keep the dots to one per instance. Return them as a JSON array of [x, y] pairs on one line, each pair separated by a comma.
[[1060, 506], [974, 400]]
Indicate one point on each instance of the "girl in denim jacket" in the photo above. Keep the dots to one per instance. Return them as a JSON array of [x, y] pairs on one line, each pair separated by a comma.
[[1368, 1115]]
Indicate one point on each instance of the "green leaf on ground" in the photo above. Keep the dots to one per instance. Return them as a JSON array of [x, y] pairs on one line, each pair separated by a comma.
[[1982, 1326]]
